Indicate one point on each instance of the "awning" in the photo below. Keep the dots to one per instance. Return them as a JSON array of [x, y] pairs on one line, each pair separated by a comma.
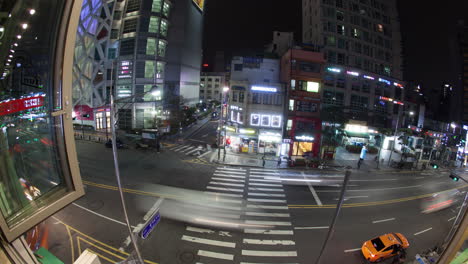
[[357, 134]]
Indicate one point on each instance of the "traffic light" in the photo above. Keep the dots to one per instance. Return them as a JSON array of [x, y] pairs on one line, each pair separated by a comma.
[[434, 165], [454, 177]]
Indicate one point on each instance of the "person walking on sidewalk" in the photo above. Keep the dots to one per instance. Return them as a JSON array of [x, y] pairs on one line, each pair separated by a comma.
[[362, 156], [263, 161], [279, 162]]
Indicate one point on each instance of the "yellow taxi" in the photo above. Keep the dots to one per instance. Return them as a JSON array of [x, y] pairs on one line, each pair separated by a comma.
[[384, 246]]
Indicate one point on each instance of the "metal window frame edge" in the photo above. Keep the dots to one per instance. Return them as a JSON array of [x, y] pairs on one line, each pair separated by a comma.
[[460, 236], [62, 75]]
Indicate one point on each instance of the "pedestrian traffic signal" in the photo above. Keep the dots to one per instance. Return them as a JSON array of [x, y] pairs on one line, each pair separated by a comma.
[[454, 177]]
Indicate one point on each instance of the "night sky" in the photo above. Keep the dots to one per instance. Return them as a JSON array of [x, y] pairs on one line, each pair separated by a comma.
[[427, 31]]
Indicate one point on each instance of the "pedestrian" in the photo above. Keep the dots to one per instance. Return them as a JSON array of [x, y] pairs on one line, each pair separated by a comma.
[[263, 161], [362, 156], [224, 155], [279, 162]]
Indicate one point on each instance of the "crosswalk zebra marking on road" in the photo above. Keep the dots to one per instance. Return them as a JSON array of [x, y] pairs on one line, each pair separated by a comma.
[[225, 189], [228, 180], [268, 231], [267, 214], [266, 194], [211, 254], [264, 253], [226, 184], [265, 200], [268, 242]]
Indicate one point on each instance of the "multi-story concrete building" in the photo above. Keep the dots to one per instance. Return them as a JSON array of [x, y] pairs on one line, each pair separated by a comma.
[[361, 43], [255, 106], [282, 42], [301, 71], [124, 46], [211, 86]]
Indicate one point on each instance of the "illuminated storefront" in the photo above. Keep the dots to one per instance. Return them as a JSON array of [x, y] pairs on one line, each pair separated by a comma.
[[303, 145], [269, 142]]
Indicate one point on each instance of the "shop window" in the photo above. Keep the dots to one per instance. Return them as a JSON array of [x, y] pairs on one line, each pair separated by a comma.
[[301, 148], [237, 67], [266, 99], [266, 120], [306, 106], [255, 120], [241, 96], [309, 67], [276, 121]]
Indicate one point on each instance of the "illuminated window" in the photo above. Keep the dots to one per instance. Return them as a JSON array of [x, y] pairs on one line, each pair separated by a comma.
[[340, 29], [162, 48], [166, 9], [254, 119], [266, 120], [153, 24], [129, 26], [159, 70], [276, 121], [293, 84], [289, 124], [164, 28], [151, 46], [380, 28], [156, 6], [313, 87], [149, 69], [291, 105]]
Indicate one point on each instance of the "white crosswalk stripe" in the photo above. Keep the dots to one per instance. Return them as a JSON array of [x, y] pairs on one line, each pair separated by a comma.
[[190, 150], [252, 199]]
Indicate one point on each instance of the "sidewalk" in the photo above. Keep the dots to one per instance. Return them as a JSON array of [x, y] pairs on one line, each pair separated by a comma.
[[246, 160], [345, 158]]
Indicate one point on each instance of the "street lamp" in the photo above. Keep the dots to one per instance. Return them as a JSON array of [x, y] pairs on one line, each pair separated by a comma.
[[453, 125], [221, 122]]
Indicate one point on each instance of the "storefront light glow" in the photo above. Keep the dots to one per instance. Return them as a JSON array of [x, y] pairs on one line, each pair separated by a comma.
[[352, 73], [246, 131], [369, 77], [264, 89], [356, 128], [334, 70], [304, 138]]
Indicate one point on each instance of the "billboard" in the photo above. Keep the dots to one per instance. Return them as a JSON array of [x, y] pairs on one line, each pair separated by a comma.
[[200, 4]]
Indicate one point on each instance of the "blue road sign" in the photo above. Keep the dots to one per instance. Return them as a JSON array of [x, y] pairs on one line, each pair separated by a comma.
[[144, 233]]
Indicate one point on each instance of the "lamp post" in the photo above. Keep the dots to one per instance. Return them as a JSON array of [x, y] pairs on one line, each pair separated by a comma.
[[396, 131], [453, 126], [221, 122]]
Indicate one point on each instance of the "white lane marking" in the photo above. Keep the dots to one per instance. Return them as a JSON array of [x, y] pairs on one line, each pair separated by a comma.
[[225, 189], [267, 207], [223, 215], [352, 250], [228, 180], [312, 190], [192, 151], [451, 219], [382, 189], [351, 197], [266, 194], [184, 148], [265, 184], [220, 200], [260, 180], [232, 169], [267, 214], [179, 147], [229, 176], [100, 215], [272, 223], [420, 232], [204, 154], [255, 169], [199, 230], [209, 241], [230, 172], [383, 220], [264, 174], [268, 232], [310, 227], [226, 184], [211, 254], [225, 194], [263, 253], [266, 200], [268, 242], [265, 189]]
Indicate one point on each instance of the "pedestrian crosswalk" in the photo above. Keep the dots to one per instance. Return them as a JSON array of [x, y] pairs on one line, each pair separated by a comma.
[[198, 150], [264, 232]]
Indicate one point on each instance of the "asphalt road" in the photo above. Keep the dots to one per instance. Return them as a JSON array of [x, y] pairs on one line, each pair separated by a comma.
[[255, 216]]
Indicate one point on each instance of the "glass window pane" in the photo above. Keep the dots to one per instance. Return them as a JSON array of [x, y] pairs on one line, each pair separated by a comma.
[[156, 6], [162, 48], [166, 9], [164, 28], [153, 25], [149, 69], [151, 46]]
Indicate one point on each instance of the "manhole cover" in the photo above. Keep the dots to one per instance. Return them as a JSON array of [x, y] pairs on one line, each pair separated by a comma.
[[187, 257]]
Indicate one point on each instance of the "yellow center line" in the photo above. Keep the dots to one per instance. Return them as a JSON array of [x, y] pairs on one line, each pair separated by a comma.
[[71, 244]]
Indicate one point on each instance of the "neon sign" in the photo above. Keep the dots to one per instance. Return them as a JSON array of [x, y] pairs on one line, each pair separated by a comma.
[[264, 89], [304, 138], [353, 73], [334, 70], [18, 105], [369, 77]]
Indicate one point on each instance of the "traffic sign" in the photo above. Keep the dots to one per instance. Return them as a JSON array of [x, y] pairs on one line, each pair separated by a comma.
[[146, 230]]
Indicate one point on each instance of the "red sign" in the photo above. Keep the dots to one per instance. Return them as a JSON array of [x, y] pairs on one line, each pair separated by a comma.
[[18, 105]]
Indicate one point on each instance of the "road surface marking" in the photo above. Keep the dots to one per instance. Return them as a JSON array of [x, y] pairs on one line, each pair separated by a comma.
[[225, 194], [209, 241], [310, 227], [260, 253], [351, 197], [265, 189], [255, 169], [267, 214], [228, 180], [382, 189], [211, 254], [352, 250], [223, 215], [266, 200], [259, 180], [312, 190], [372, 180], [208, 152], [221, 200], [267, 207], [420, 232], [451, 219], [227, 184], [183, 148], [268, 232], [196, 140], [269, 242], [266, 184], [266, 194], [384, 220], [100, 215], [229, 176], [199, 230], [232, 169], [264, 173], [224, 189], [230, 172], [204, 136], [270, 223], [417, 178], [192, 151], [178, 147]]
